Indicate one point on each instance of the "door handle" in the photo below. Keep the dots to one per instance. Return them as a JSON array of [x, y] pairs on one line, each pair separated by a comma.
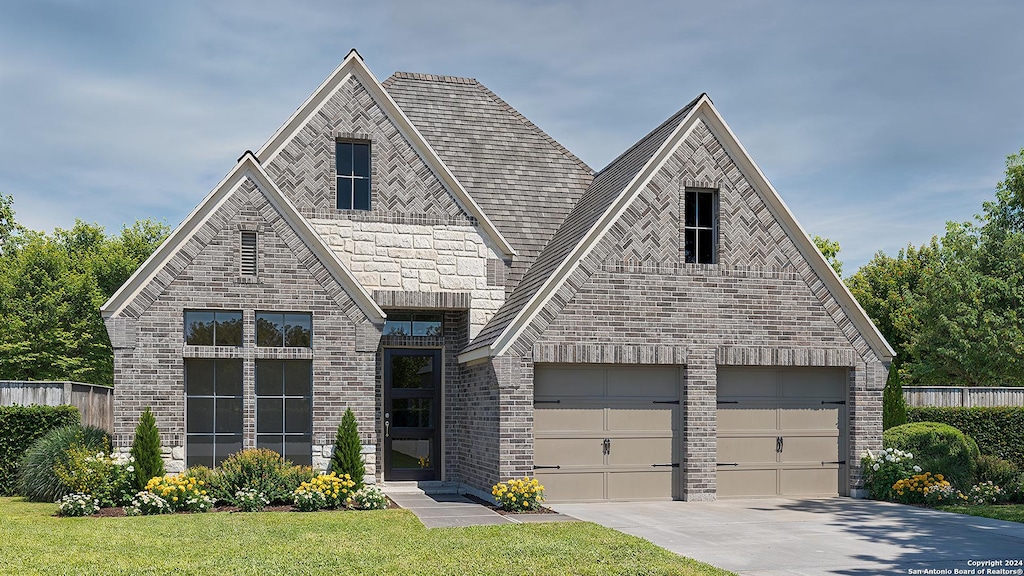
[[606, 446], [778, 443], [387, 429]]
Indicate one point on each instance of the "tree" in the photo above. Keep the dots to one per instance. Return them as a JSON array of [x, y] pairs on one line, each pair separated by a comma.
[[830, 250], [146, 450], [348, 450], [894, 406]]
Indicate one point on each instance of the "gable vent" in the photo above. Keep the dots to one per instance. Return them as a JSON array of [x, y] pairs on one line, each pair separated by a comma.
[[248, 253]]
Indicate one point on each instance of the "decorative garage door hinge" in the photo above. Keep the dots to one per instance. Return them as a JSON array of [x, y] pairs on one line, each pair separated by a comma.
[[672, 465], [547, 467]]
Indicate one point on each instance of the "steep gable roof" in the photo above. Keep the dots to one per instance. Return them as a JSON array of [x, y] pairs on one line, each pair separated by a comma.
[[353, 65], [248, 167], [609, 195], [521, 177]]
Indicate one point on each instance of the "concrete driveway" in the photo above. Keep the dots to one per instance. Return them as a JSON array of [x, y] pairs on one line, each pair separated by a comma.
[[830, 536]]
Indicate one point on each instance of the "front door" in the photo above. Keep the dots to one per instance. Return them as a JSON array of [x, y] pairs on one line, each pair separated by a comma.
[[412, 414]]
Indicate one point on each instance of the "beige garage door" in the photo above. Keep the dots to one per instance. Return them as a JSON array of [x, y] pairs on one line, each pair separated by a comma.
[[781, 432], [606, 432]]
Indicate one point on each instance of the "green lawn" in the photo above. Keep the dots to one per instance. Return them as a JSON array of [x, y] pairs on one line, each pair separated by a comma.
[[1011, 512], [379, 542]]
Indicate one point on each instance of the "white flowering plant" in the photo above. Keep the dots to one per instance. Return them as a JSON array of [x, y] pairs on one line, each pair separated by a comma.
[[251, 500], [108, 478], [78, 504], [985, 493], [371, 498], [146, 503], [885, 468]]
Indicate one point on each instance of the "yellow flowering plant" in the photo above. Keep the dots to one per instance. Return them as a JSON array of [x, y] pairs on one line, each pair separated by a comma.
[[519, 494], [325, 491], [182, 493], [915, 489]]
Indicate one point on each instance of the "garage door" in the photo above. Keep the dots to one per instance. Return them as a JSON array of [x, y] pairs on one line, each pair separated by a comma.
[[781, 432], [606, 433]]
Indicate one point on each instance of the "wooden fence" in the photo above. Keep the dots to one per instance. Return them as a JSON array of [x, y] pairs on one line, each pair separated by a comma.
[[96, 403], [963, 396]]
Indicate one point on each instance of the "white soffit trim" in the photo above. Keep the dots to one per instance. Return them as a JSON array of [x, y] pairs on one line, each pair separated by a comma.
[[526, 316], [353, 65], [797, 234], [702, 110], [247, 167]]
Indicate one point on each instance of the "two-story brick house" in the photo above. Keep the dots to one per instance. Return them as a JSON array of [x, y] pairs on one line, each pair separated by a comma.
[[490, 307]]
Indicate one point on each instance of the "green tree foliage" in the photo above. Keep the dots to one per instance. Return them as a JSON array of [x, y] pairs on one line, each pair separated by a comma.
[[830, 250], [51, 288], [146, 449], [894, 406], [347, 457], [952, 309]]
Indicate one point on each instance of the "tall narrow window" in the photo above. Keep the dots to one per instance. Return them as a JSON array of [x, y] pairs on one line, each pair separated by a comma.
[[248, 253], [213, 410], [284, 408], [352, 160], [700, 226]]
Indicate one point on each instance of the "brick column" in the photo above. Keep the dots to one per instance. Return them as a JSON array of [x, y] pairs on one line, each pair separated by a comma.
[[865, 417], [700, 382]]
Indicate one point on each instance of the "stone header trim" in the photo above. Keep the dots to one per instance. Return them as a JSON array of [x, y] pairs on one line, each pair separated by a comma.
[[771, 356], [423, 300], [609, 354]]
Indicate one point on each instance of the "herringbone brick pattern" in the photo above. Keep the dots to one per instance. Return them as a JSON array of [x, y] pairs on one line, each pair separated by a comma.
[[401, 182]]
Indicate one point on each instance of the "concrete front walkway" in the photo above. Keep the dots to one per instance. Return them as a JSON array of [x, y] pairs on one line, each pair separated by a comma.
[[446, 510], [803, 537]]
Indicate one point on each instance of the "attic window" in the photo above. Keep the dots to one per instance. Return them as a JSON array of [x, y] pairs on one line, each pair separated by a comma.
[[248, 253], [352, 161], [701, 226]]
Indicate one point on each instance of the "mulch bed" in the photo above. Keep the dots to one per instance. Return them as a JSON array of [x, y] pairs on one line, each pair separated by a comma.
[[499, 510], [118, 511]]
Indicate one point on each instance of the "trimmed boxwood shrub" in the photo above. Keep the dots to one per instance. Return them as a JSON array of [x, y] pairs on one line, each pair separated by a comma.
[[999, 431], [937, 448], [20, 427]]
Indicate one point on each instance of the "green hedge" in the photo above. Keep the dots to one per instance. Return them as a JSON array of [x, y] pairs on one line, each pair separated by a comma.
[[20, 427], [998, 431]]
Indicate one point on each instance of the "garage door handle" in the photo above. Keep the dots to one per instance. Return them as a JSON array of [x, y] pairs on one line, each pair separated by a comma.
[[547, 467], [547, 401], [729, 464], [834, 402], [673, 465], [728, 402], [665, 402], [778, 444], [843, 462]]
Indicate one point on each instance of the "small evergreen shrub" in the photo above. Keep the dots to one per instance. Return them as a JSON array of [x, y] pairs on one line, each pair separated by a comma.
[[894, 406], [996, 470], [20, 428], [37, 478], [937, 448], [257, 470], [146, 450], [348, 450]]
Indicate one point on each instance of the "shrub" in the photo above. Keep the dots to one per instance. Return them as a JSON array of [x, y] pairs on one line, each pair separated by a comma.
[[211, 481], [519, 494], [348, 450], [181, 493], [985, 493], [894, 406], [146, 449], [326, 490], [998, 431], [37, 479], [146, 503], [78, 504], [258, 470], [108, 479], [294, 476], [371, 498], [938, 448], [20, 428], [883, 469], [996, 470], [251, 501], [1015, 491]]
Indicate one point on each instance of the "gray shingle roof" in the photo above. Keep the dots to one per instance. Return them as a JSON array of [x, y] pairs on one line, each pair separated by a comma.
[[608, 184], [523, 180]]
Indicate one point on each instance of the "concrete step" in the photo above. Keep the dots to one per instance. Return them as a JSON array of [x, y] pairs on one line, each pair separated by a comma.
[[435, 487]]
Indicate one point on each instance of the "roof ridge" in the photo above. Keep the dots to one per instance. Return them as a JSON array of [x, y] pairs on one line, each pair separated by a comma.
[[529, 124], [429, 78], [681, 112]]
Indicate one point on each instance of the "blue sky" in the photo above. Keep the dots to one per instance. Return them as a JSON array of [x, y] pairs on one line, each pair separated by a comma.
[[876, 121]]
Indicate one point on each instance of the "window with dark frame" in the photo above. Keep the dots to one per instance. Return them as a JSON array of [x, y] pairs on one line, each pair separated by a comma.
[[248, 251], [213, 410], [413, 324], [352, 160], [700, 226], [213, 327], [284, 329], [284, 408]]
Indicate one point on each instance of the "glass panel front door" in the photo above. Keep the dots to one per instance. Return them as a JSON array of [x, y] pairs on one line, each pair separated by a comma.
[[412, 414]]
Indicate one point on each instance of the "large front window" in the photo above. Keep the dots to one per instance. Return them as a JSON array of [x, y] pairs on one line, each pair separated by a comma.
[[284, 401], [352, 160], [213, 410]]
